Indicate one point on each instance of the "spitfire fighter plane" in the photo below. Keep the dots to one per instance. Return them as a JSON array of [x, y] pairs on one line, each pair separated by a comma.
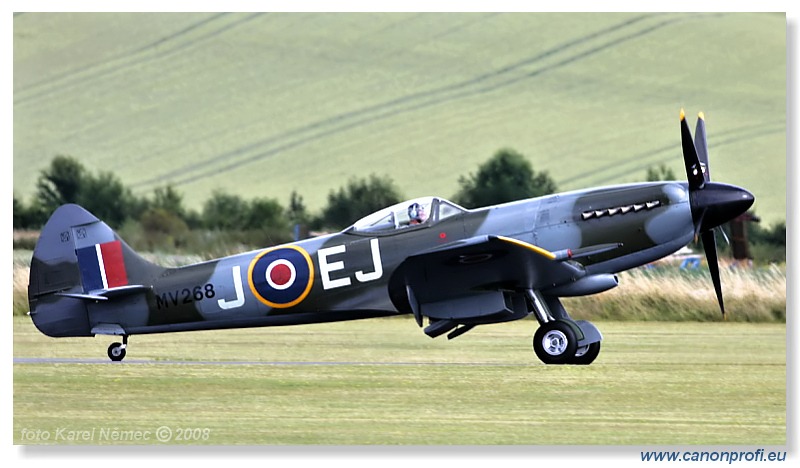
[[451, 268]]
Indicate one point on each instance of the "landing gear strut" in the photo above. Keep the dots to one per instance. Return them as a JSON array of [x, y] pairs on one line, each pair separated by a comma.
[[116, 351], [560, 339]]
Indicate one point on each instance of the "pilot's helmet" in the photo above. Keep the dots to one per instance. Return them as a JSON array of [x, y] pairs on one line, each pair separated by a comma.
[[414, 211]]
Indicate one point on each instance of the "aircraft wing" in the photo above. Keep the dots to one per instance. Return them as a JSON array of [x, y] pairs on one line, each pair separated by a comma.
[[486, 263], [466, 278]]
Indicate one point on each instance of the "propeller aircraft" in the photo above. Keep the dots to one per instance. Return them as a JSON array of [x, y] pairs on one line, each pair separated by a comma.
[[451, 268]]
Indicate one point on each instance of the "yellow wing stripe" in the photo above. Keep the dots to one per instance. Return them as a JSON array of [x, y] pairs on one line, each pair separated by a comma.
[[538, 250]]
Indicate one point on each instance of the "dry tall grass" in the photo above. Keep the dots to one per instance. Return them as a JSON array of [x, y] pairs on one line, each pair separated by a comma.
[[669, 294], [663, 294], [20, 291]]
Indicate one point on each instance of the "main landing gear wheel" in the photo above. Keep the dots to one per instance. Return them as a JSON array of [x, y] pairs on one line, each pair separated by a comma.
[[555, 343], [116, 351], [586, 354]]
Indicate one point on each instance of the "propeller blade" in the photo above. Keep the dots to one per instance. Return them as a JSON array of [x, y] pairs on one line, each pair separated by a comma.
[[710, 247], [693, 169], [698, 223], [701, 146], [724, 236]]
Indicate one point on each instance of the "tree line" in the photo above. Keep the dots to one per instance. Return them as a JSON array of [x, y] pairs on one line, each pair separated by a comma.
[[228, 223], [161, 221]]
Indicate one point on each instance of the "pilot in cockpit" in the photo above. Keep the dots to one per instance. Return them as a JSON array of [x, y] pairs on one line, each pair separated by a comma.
[[416, 214]]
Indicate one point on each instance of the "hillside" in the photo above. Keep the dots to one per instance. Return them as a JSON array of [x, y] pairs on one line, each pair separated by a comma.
[[262, 104]]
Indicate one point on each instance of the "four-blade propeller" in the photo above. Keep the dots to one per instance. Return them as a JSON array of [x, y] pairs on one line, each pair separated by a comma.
[[712, 203]]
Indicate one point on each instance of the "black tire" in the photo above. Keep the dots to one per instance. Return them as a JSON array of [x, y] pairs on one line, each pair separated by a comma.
[[584, 357], [555, 343], [116, 352]]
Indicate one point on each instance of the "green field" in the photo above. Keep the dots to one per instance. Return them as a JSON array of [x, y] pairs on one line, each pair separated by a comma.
[[383, 382], [261, 104]]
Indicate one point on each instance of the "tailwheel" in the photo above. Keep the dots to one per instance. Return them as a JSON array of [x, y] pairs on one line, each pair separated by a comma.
[[555, 343], [586, 354], [116, 351]]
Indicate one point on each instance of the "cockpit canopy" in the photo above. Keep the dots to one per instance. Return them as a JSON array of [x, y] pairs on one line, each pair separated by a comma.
[[418, 212]]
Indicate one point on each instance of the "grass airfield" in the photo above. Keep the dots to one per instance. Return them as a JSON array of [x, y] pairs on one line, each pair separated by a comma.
[[384, 382]]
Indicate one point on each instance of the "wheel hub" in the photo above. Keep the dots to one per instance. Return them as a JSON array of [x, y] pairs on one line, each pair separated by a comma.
[[554, 342]]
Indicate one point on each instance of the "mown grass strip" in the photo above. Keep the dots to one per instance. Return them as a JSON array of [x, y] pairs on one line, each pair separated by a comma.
[[653, 384]]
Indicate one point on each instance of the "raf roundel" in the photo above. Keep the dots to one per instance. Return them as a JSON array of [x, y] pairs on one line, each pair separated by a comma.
[[281, 277]]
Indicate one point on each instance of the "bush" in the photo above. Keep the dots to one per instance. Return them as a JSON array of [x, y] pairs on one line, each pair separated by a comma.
[[505, 177], [357, 199]]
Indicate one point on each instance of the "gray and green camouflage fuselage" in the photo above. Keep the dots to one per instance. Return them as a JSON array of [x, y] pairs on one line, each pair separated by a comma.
[[427, 257]]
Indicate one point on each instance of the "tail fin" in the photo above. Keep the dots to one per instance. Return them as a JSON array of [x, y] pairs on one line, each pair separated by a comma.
[[78, 258]]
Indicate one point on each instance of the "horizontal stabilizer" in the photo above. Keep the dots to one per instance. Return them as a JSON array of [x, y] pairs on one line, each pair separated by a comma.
[[106, 294]]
